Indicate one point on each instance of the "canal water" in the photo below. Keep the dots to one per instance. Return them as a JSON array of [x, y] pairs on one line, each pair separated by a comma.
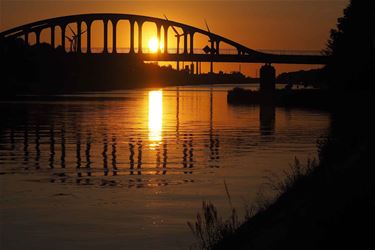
[[128, 169]]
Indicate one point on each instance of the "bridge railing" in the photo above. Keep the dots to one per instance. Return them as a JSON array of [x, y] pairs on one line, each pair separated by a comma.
[[223, 51], [292, 52]]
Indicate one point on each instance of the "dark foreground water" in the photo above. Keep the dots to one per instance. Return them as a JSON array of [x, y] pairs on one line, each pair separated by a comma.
[[129, 171]]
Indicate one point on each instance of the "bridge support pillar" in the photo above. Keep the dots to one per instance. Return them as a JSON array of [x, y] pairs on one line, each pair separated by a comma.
[[140, 24], [217, 47], [131, 37], [212, 53], [185, 43], [267, 78], [79, 37], [27, 38], [105, 49], [63, 38], [89, 36], [165, 27], [197, 68], [191, 43], [114, 36], [158, 34], [53, 36], [37, 33]]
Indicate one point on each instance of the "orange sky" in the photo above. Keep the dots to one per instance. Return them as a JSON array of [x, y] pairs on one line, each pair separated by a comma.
[[258, 24]]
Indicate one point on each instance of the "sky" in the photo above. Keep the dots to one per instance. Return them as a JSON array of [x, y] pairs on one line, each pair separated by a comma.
[[257, 24]]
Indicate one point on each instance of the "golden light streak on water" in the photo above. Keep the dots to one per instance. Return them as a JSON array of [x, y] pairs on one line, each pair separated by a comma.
[[155, 115]]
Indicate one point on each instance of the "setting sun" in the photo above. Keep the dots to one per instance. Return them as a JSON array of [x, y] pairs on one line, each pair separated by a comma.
[[153, 45]]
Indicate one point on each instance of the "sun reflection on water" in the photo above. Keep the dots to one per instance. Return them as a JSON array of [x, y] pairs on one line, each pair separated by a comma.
[[155, 115]]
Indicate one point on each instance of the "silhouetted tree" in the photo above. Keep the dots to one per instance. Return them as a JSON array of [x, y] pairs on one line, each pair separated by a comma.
[[351, 48]]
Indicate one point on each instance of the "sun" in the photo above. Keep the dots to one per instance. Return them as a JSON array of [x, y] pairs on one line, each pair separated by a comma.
[[153, 45]]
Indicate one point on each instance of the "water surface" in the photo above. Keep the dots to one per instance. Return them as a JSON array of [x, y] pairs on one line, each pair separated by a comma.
[[128, 171]]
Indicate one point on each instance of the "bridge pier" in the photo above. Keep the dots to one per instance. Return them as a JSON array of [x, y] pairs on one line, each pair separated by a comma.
[[53, 36], [140, 24], [158, 28], [212, 53], [114, 36], [185, 42], [267, 78], [191, 42], [165, 27], [105, 47], [79, 38], [37, 33], [63, 27], [27, 38], [89, 36], [131, 37]]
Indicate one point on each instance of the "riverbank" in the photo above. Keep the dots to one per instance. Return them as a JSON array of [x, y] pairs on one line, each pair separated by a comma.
[[329, 206]]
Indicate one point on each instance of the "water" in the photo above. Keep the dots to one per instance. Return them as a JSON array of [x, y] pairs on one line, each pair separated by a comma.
[[128, 171]]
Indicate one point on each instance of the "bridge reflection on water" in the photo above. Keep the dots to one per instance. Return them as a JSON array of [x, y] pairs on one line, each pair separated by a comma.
[[180, 134], [79, 143]]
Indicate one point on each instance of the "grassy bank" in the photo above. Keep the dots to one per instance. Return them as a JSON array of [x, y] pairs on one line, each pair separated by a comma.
[[329, 205]]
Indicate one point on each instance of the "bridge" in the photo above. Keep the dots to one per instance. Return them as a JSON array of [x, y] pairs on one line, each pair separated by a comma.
[[210, 53]]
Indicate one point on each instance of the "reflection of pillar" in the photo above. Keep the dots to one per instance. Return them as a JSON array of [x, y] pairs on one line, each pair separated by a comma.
[[62, 147], [267, 116], [184, 153], [131, 156], [158, 159], [188, 153], [37, 147], [197, 68], [26, 146], [52, 147], [104, 154], [165, 157], [114, 38], [191, 42], [132, 36], [79, 37], [191, 151], [139, 163], [87, 152], [105, 49], [78, 151], [53, 36], [166, 27], [212, 53], [89, 36], [178, 112], [114, 157], [140, 24], [212, 143]]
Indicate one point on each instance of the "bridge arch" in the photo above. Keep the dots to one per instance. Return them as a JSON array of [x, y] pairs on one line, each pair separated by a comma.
[[211, 53], [87, 20]]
